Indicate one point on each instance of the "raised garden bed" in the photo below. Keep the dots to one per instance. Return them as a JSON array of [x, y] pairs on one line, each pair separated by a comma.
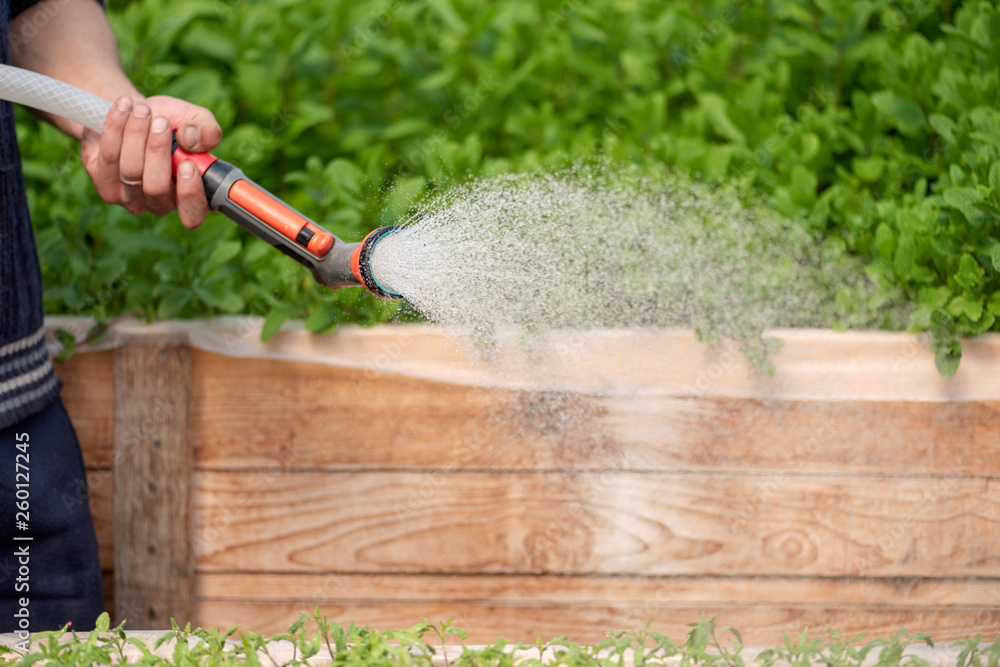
[[599, 481]]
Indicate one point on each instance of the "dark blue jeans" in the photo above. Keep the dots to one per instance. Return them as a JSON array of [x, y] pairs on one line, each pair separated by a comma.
[[57, 570]]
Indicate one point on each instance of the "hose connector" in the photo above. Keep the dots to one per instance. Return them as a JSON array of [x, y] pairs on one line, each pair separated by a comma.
[[361, 263]]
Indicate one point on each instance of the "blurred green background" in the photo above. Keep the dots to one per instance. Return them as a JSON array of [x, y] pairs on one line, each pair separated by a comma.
[[873, 124]]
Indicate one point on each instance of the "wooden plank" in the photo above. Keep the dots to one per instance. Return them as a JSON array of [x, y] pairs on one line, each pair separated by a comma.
[[88, 395], [153, 558], [342, 419], [760, 625], [598, 523], [117, 611], [337, 418], [596, 590]]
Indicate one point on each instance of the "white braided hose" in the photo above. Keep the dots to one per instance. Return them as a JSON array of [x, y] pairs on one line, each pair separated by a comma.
[[47, 94]]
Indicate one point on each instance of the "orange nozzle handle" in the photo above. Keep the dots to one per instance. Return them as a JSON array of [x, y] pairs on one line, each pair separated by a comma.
[[281, 218], [256, 201], [201, 160]]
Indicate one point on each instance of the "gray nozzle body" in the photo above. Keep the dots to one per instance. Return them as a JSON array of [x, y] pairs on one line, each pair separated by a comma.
[[332, 270]]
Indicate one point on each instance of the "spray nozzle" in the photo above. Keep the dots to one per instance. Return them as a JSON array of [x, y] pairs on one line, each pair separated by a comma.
[[332, 262], [361, 263]]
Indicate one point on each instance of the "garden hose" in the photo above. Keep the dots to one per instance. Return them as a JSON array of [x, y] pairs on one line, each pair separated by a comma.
[[332, 262]]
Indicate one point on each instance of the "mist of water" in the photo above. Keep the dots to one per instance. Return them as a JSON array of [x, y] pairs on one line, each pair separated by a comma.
[[591, 248]]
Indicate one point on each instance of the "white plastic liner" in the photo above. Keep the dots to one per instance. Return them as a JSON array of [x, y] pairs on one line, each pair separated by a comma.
[[812, 365]]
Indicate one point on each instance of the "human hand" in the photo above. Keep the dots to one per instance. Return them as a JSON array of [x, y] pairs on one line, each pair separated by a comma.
[[130, 162]]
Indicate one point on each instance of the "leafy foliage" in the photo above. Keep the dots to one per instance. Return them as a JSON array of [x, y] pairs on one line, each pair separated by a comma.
[[874, 123], [354, 645]]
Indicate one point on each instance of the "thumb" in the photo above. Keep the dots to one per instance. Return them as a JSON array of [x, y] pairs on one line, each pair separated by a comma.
[[199, 133]]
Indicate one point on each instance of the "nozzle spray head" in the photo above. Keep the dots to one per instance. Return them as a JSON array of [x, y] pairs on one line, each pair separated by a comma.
[[332, 262], [361, 263]]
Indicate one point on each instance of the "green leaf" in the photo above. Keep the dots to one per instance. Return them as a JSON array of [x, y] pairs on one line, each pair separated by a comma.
[[811, 145], [230, 302], [803, 186], [906, 115], [870, 169], [322, 319], [944, 126], [995, 257], [985, 323], [344, 174], [947, 364], [714, 106], [103, 623], [947, 355], [447, 13], [31, 659], [273, 322], [68, 342], [885, 240], [173, 302], [905, 257], [437, 80], [993, 304], [969, 273], [964, 199], [139, 644], [973, 308], [405, 128], [639, 66], [989, 209], [224, 300], [222, 253]]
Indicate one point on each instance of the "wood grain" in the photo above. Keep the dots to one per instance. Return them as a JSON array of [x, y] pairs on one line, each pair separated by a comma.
[[598, 523], [596, 590], [437, 425], [153, 558], [760, 624], [88, 394], [336, 418]]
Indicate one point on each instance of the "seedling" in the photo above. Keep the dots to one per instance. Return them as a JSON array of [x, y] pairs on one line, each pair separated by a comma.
[[357, 646]]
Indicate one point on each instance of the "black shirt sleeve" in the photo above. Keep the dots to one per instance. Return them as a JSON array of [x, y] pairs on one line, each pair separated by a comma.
[[18, 6]]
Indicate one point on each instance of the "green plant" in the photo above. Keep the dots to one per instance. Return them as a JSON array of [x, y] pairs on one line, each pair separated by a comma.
[[873, 124], [442, 631], [973, 654], [354, 645]]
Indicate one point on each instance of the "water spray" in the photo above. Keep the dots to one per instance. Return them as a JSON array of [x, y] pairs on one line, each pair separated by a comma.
[[332, 262]]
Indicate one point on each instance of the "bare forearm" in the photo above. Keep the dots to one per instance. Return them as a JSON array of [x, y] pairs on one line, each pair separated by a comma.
[[130, 159], [71, 40]]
